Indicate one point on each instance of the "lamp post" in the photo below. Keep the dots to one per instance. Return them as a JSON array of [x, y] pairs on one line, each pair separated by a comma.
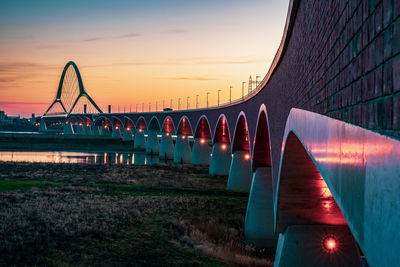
[[142, 107], [197, 101], [243, 83], [156, 106], [257, 80], [136, 108], [170, 103], [218, 96], [179, 103], [230, 94], [163, 105], [207, 98], [187, 103], [130, 108]]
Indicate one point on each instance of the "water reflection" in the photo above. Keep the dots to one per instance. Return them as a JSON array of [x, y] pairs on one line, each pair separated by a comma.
[[124, 158]]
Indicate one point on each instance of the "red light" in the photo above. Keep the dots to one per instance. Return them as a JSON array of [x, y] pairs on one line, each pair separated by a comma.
[[167, 134], [80, 124], [247, 156], [183, 136], [202, 141], [330, 244], [128, 129], [105, 126], [223, 147], [88, 125], [116, 127], [140, 130]]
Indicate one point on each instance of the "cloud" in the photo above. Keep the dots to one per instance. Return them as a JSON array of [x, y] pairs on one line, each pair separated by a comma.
[[129, 35], [196, 78], [93, 39], [4, 103], [7, 80], [177, 31]]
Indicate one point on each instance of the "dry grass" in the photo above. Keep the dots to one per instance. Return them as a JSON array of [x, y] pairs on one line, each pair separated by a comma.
[[75, 222]]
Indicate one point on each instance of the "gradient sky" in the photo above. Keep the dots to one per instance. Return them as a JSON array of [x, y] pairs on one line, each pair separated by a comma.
[[130, 52]]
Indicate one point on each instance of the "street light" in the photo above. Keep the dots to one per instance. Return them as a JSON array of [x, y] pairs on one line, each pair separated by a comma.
[[170, 103], [179, 103], [257, 81], [243, 83], [207, 98], [230, 94], [187, 103], [218, 96], [136, 108], [156, 106], [142, 107], [149, 106], [197, 101], [163, 104]]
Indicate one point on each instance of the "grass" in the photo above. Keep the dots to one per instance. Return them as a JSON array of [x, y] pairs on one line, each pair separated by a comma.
[[75, 214]]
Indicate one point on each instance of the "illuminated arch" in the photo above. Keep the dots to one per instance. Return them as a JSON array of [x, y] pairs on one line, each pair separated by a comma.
[[241, 139], [141, 123], [70, 91], [129, 123], [168, 125], [262, 146], [203, 129], [221, 133], [184, 126]]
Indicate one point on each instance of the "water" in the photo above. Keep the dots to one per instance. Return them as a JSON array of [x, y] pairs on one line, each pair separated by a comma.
[[125, 158]]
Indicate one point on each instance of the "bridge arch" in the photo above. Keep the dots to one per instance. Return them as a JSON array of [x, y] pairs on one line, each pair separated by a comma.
[[129, 124], [221, 133], [75, 119], [117, 123], [203, 129], [241, 140], [103, 121], [184, 127], [141, 124], [154, 124], [168, 125], [261, 156]]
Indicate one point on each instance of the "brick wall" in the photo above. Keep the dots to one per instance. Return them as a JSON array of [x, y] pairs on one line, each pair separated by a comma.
[[343, 60]]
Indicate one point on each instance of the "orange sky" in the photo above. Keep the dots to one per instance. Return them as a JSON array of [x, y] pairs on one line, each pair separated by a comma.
[[132, 53]]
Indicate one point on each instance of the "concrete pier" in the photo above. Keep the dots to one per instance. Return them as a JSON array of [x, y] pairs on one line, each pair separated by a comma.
[[166, 147], [152, 145], [116, 132], [240, 174], [139, 142], [259, 222], [127, 135], [220, 159], [201, 152], [104, 131], [317, 245], [182, 151], [68, 129]]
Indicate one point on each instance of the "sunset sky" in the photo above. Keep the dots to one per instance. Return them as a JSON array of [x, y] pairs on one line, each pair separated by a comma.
[[130, 52]]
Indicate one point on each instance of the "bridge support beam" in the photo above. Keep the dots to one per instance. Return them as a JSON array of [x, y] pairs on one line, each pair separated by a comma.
[[104, 131], [116, 132], [166, 147], [152, 145], [139, 142], [127, 135], [67, 129], [139, 158], [317, 245], [201, 152], [240, 171], [220, 159], [95, 130], [259, 222], [182, 150]]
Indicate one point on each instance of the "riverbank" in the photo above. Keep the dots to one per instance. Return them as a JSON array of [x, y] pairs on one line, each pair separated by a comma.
[[59, 142], [77, 214]]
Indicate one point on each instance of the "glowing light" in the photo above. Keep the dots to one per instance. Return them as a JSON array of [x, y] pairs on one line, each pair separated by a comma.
[[167, 134], [88, 125], [247, 156], [128, 129], [116, 127], [330, 244], [140, 130], [202, 141], [223, 147], [80, 124], [183, 136], [105, 126]]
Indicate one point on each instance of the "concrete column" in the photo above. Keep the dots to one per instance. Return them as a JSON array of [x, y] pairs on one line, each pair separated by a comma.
[[116, 132], [42, 126], [139, 158], [201, 152], [166, 147], [126, 159], [88, 130], [104, 131], [152, 145], [67, 129], [139, 142], [95, 130], [240, 172], [317, 245], [83, 130], [259, 222], [152, 159], [221, 158], [182, 152], [127, 135]]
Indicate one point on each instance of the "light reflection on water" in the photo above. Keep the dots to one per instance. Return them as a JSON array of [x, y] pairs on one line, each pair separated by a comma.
[[125, 158]]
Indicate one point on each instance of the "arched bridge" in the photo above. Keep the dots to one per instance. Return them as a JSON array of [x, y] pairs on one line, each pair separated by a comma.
[[316, 143]]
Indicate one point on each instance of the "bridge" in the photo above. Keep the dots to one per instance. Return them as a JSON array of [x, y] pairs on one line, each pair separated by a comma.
[[316, 143]]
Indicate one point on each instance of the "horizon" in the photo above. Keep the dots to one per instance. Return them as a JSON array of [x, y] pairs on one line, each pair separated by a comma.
[[127, 49]]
